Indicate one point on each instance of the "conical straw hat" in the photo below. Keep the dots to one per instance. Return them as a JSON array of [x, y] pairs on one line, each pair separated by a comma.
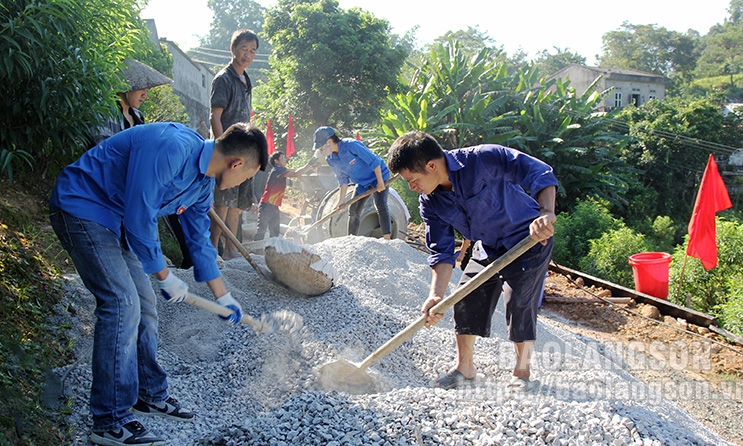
[[140, 76]]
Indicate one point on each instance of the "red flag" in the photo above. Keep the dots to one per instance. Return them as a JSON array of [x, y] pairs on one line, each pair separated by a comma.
[[269, 138], [358, 136], [290, 138], [712, 198]]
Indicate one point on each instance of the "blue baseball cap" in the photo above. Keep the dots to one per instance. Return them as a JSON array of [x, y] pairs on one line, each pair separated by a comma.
[[322, 135]]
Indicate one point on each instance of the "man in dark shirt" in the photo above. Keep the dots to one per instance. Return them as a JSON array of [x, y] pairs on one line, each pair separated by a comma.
[[231, 102], [481, 192]]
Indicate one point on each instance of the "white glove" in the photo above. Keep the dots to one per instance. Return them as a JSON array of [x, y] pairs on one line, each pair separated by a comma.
[[228, 301], [172, 288]]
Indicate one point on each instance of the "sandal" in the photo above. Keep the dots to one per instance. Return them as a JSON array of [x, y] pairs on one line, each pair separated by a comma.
[[452, 380], [220, 262]]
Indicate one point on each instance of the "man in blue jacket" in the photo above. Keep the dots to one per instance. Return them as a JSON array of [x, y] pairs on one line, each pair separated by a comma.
[[352, 162], [104, 209], [482, 193]]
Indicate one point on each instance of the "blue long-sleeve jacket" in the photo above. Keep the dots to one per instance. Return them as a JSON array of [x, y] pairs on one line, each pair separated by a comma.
[[138, 175], [488, 200], [355, 163]]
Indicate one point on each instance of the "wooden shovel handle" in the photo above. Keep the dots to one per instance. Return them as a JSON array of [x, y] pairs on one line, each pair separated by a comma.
[[214, 307], [349, 203], [215, 218], [449, 301]]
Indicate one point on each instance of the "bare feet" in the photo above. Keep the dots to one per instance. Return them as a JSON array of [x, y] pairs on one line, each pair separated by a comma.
[[230, 254]]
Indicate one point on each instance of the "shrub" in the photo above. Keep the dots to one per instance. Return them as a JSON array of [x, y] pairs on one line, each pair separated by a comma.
[[662, 234], [574, 231], [608, 256], [731, 311], [709, 290]]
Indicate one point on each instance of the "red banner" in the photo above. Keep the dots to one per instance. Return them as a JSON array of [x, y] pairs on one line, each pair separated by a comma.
[[712, 198], [290, 138], [269, 138]]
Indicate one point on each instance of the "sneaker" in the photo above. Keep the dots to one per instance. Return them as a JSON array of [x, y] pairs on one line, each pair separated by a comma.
[[132, 433], [169, 408]]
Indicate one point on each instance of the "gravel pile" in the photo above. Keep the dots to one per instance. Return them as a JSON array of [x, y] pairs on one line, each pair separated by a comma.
[[252, 388]]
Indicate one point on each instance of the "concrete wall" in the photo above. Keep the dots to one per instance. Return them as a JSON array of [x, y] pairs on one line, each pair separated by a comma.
[[192, 83]]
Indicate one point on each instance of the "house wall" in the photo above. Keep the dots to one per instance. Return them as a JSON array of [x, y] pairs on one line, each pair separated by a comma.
[[629, 86], [643, 91], [192, 83]]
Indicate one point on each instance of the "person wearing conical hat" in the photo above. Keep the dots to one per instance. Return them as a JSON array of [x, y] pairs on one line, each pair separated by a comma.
[[140, 78]]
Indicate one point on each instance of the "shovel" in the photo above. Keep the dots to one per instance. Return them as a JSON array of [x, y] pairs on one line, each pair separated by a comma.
[[298, 234], [267, 274], [343, 376], [281, 321]]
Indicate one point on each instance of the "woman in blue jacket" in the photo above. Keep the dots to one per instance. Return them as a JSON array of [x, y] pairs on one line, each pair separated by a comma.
[[352, 162]]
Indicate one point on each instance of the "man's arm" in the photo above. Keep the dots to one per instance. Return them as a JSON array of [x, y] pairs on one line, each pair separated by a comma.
[[216, 120], [440, 275], [343, 188], [380, 179], [542, 227], [292, 173]]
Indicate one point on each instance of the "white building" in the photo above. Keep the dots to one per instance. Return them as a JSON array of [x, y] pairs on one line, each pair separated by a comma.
[[628, 86], [192, 81]]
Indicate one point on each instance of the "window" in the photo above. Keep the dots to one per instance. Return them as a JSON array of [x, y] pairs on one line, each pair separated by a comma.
[[617, 100], [203, 81]]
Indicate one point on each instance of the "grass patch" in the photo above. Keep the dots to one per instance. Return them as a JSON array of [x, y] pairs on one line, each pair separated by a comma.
[[29, 289]]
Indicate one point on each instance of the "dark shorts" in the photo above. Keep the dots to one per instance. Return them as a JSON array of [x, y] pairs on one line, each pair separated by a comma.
[[522, 283], [238, 197]]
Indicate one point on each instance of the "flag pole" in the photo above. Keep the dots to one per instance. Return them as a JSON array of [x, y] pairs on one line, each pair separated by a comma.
[[681, 278]]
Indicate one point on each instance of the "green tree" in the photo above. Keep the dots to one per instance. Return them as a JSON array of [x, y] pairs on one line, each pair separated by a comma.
[[651, 48], [471, 41], [669, 156], [163, 105], [549, 64], [60, 71], [722, 52], [330, 65], [711, 290], [465, 100], [558, 126]]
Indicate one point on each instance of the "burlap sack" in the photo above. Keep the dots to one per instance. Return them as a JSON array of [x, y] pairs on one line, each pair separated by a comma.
[[297, 268]]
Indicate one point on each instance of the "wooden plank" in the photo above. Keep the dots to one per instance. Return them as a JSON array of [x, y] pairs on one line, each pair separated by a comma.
[[583, 300], [722, 332], [665, 307]]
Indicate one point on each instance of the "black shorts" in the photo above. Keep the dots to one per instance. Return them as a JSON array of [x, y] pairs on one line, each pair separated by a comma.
[[522, 283], [238, 197]]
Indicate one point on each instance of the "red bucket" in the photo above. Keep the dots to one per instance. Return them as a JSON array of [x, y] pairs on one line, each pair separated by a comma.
[[650, 270]]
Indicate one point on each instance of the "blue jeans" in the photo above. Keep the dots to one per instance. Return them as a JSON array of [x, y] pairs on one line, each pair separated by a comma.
[[383, 212], [125, 341]]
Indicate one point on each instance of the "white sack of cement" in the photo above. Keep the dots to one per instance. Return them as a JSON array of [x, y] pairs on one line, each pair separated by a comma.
[[249, 388]]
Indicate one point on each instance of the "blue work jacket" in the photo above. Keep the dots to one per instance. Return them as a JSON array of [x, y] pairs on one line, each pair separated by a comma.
[[138, 175], [488, 201]]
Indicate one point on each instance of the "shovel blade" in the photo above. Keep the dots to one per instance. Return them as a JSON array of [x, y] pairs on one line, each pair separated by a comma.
[[342, 376]]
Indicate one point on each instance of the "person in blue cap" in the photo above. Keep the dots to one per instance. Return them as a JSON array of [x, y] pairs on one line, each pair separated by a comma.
[[104, 210], [352, 162]]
